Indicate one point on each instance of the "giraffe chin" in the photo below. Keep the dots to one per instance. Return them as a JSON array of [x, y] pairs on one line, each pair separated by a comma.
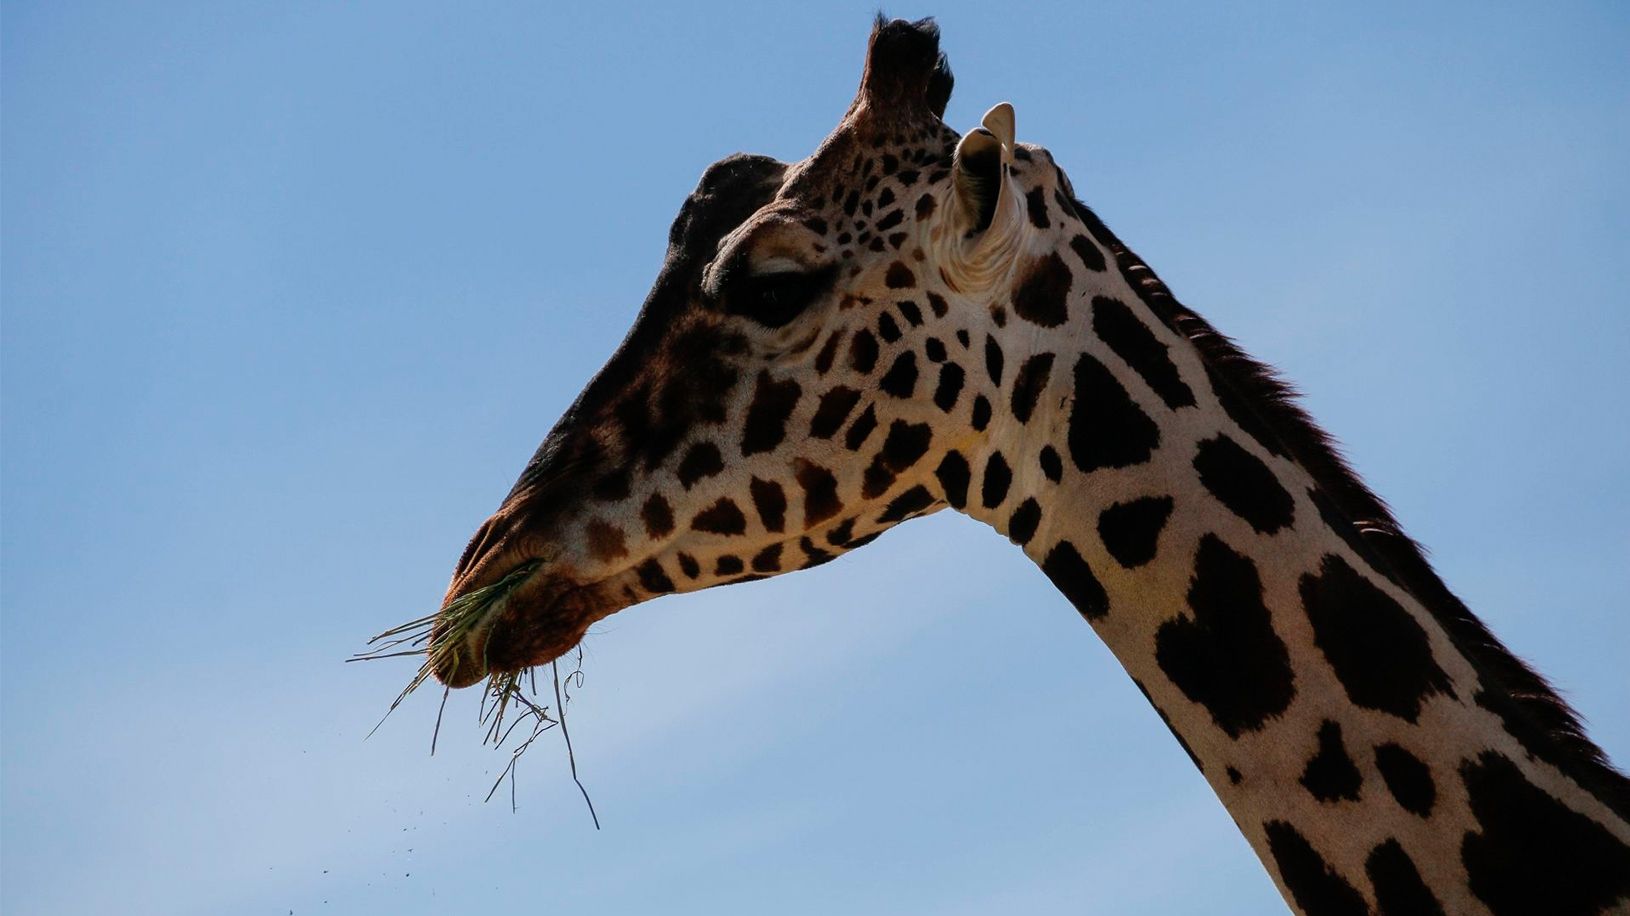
[[534, 627]]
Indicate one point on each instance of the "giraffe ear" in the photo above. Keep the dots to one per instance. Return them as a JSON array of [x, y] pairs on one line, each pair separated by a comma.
[[978, 168], [987, 220], [999, 121]]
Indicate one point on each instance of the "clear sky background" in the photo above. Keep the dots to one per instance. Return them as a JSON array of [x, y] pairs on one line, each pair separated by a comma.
[[292, 290]]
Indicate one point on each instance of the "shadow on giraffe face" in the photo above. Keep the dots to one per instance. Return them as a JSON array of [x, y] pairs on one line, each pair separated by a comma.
[[798, 380]]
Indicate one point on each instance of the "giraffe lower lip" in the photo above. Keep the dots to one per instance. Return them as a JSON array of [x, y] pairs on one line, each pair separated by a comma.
[[535, 625], [460, 673], [462, 665], [523, 637], [458, 638]]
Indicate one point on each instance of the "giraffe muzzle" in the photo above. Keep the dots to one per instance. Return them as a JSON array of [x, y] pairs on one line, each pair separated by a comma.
[[523, 618]]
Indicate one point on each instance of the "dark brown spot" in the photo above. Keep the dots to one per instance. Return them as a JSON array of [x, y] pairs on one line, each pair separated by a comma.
[[1107, 428], [907, 504], [862, 351], [1533, 854], [657, 516], [1316, 887], [833, 409], [813, 556], [768, 560], [613, 487], [1408, 778], [820, 493], [905, 444], [653, 579], [886, 328], [701, 460], [860, 429], [1226, 656], [1036, 205], [770, 502], [993, 360], [723, 517], [1051, 466], [1378, 650], [1399, 890], [1021, 526], [1330, 774], [901, 379], [605, 541], [1087, 252], [1243, 483], [829, 352], [1132, 341], [766, 423], [998, 476], [876, 480], [981, 413], [953, 473], [1131, 530], [1029, 383], [1071, 575], [1042, 296], [949, 387]]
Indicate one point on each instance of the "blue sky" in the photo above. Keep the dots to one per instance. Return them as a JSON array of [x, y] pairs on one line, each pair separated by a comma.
[[291, 291]]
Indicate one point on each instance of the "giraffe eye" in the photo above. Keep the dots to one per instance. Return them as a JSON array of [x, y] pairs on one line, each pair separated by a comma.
[[774, 299]]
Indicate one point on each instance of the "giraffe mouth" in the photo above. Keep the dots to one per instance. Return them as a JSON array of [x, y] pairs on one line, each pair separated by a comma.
[[525, 618]]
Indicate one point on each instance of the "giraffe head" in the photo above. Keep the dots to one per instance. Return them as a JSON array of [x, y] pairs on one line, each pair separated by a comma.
[[816, 346]]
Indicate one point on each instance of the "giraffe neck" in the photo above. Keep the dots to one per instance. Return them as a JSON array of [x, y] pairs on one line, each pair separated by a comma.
[[1369, 758]]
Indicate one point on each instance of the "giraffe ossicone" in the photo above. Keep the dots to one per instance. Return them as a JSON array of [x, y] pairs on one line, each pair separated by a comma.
[[910, 320]]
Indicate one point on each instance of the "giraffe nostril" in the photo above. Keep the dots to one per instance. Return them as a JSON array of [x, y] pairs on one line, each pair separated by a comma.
[[478, 547]]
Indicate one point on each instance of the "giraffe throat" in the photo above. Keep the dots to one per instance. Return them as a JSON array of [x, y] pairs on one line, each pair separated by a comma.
[[913, 319]]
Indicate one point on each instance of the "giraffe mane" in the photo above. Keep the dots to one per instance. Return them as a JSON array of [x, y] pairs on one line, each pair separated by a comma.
[[1267, 406]]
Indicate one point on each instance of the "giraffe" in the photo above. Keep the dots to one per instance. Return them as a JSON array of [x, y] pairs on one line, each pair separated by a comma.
[[911, 319]]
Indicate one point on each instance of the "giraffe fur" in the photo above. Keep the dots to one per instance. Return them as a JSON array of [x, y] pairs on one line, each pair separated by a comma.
[[911, 320]]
